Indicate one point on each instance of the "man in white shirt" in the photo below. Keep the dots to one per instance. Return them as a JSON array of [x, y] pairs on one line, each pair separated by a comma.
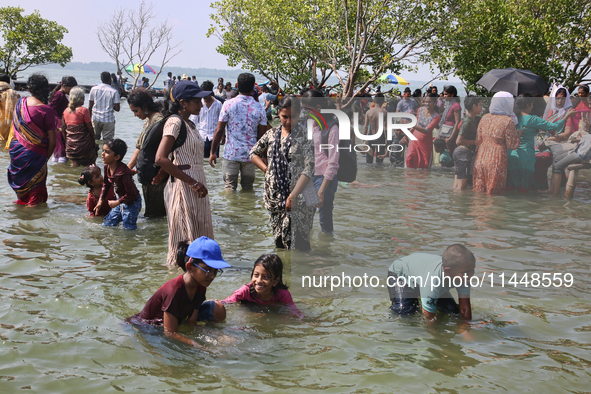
[[168, 83], [207, 120], [102, 102]]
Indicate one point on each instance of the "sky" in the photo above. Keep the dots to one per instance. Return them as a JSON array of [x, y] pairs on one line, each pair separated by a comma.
[[189, 18]]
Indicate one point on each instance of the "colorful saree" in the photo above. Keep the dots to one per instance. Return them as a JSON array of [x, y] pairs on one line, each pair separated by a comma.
[[27, 171]]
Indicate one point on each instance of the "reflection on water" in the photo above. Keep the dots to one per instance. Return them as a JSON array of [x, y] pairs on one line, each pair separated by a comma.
[[67, 284]]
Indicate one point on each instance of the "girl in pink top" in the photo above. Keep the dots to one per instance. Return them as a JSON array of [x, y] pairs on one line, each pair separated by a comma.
[[266, 286]]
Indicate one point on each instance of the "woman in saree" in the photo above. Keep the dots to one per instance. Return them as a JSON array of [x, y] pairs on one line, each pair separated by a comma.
[[556, 109], [420, 152], [34, 126], [81, 147], [59, 102]]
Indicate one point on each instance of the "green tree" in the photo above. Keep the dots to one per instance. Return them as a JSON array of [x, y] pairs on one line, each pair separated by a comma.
[[29, 40], [550, 38], [307, 41]]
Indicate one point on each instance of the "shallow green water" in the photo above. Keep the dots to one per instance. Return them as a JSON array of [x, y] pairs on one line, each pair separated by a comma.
[[67, 284]]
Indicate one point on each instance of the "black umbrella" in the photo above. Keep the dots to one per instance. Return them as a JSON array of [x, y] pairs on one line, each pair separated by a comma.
[[513, 81]]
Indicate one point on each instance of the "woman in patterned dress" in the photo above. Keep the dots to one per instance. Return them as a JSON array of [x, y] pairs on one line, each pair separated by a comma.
[[290, 157], [420, 152], [496, 134], [185, 196]]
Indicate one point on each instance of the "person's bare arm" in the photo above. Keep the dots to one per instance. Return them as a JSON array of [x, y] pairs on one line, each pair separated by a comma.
[[456, 130], [117, 107], [257, 161], [164, 162], [51, 144], [263, 129], [218, 134], [429, 317], [90, 106], [133, 160], [465, 307], [298, 188]]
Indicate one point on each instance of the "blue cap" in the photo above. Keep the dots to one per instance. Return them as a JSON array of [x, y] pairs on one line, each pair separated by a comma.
[[186, 90], [209, 251]]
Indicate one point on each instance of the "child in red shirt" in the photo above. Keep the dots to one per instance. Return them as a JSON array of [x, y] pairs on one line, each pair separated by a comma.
[[91, 176]]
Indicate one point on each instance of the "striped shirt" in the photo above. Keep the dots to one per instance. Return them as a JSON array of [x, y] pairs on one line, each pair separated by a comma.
[[208, 119], [104, 97]]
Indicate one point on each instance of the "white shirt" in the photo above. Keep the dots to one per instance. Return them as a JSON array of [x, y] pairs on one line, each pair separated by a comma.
[[207, 119], [104, 97]]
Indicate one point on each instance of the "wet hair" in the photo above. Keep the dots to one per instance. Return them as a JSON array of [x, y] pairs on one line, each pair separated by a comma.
[[585, 88], [379, 99], [66, 81], [106, 77], [76, 98], [5, 78], [470, 102], [451, 89], [181, 255], [207, 86], [289, 102], [274, 266], [87, 174], [245, 83], [140, 97], [458, 256], [119, 147], [439, 143], [561, 90], [39, 87]]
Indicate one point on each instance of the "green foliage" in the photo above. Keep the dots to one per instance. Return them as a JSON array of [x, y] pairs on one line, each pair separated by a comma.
[[307, 41], [541, 36], [29, 40]]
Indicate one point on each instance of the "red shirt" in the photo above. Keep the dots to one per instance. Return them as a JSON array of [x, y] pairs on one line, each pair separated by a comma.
[[91, 202], [247, 294], [172, 297], [124, 186]]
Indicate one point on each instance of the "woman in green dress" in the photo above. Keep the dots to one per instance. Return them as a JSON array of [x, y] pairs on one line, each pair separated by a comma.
[[521, 161]]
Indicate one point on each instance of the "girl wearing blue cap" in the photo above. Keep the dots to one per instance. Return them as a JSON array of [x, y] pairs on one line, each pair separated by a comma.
[[182, 299]]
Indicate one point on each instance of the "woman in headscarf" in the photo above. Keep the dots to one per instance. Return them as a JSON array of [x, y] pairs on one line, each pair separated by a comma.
[[521, 160], [556, 109], [496, 134], [290, 168], [34, 126]]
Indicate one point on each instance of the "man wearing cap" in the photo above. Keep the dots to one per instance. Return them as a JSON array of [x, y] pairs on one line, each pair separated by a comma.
[[244, 121], [182, 299]]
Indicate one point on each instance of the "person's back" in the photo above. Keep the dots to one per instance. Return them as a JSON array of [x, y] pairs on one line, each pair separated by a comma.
[[243, 120], [103, 101]]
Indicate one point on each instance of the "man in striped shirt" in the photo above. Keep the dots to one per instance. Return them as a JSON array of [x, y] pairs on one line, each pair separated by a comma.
[[208, 118], [102, 102]]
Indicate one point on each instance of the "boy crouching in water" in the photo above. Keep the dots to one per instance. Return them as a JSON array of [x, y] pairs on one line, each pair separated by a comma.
[[430, 278]]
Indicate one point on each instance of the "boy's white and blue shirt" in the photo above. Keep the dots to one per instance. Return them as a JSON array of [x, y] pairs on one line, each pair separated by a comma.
[[425, 266]]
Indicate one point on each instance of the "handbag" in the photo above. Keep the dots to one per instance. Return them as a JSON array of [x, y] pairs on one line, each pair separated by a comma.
[[445, 131], [311, 195]]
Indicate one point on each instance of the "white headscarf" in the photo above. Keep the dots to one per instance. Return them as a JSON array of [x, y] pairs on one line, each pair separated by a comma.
[[503, 105], [551, 105]]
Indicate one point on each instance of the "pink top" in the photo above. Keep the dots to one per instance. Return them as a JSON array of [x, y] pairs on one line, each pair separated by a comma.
[[450, 119], [244, 294], [323, 165], [82, 115]]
